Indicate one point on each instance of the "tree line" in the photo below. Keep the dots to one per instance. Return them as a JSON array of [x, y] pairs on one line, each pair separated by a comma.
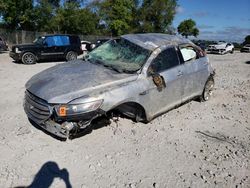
[[96, 17]]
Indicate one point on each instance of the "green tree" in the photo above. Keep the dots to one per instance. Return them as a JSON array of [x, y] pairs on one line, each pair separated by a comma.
[[70, 18], [247, 40], [157, 15], [43, 13], [117, 15], [17, 14], [188, 28]]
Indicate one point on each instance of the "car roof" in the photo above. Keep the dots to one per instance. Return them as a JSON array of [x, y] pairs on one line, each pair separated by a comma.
[[51, 35], [151, 41]]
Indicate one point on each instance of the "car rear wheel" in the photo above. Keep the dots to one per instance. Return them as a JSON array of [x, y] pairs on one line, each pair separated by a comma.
[[232, 51], [207, 92], [28, 58], [71, 56]]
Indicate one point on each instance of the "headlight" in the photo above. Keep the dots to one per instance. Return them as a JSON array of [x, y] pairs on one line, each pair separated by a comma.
[[17, 50], [75, 109]]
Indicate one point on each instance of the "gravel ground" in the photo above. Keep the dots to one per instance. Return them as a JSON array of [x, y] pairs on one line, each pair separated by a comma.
[[195, 145]]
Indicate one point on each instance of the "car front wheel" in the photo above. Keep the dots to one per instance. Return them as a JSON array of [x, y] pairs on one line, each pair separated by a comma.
[[207, 92], [28, 58], [71, 56]]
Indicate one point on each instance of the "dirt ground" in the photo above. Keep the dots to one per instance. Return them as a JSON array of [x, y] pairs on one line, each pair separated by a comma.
[[195, 145]]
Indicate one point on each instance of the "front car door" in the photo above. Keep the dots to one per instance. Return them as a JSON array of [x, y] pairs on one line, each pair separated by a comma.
[[166, 64]]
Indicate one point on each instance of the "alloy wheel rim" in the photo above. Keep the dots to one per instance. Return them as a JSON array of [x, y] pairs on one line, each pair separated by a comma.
[[29, 58], [71, 56]]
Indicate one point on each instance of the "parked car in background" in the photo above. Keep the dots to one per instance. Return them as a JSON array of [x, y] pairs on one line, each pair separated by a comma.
[[3, 44], [221, 48], [48, 47], [86, 46], [245, 48], [139, 75]]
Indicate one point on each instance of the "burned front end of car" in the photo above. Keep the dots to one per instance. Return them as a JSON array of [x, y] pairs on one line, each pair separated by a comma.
[[62, 120]]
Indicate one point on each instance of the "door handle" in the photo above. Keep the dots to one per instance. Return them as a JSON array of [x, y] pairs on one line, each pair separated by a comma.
[[180, 73], [144, 92]]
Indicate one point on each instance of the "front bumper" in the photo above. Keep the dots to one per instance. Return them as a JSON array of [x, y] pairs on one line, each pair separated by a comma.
[[15, 56], [66, 128], [43, 114], [53, 128], [216, 51]]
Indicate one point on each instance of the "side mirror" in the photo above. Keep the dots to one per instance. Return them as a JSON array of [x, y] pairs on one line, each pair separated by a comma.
[[157, 79], [159, 82]]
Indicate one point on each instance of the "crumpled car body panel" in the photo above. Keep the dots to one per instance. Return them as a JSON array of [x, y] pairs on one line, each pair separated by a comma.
[[64, 83]]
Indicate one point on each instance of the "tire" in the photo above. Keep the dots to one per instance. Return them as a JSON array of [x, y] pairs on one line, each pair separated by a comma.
[[207, 92], [71, 56], [232, 51], [28, 58]]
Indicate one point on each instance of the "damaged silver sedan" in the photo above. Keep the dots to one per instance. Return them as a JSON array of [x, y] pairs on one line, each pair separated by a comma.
[[138, 75]]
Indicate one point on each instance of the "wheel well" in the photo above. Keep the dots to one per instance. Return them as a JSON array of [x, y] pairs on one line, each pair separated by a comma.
[[132, 110], [32, 53]]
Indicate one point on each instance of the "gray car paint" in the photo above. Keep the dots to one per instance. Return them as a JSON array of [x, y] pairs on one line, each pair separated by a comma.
[[66, 82]]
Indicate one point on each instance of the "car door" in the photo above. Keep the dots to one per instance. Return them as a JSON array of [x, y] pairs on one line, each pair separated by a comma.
[[167, 66], [195, 66], [52, 48], [62, 43]]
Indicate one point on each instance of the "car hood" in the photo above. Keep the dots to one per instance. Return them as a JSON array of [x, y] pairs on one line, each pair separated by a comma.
[[68, 81], [23, 46], [218, 46]]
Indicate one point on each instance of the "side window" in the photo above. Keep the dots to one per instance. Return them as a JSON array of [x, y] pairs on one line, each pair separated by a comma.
[[61, 40], [188, 53], [165, 60], [49, 41]]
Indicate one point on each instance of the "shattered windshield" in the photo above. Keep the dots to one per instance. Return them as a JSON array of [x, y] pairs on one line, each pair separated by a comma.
[[120, 55]]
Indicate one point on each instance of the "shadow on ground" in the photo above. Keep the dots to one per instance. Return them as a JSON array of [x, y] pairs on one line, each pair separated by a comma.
[[47, 173], [247, 62]]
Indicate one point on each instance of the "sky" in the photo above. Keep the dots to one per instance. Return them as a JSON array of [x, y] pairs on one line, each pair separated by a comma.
[[227, 20]]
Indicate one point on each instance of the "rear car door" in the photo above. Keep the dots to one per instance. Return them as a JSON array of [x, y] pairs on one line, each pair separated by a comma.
[[167, 65], [62, 43], [195, 70], [54, 47]]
